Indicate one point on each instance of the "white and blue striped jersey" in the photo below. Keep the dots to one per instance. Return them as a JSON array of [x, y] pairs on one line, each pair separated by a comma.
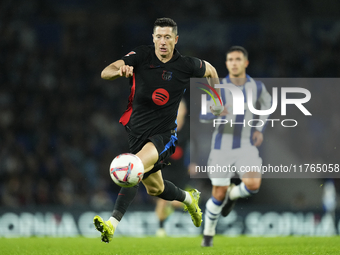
[[237, 132]]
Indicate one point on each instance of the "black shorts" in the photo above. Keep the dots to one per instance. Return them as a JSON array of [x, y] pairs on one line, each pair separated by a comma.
[[165, 144]]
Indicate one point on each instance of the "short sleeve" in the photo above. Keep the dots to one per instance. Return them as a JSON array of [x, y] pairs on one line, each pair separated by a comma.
[[198, 67], [134, 57]]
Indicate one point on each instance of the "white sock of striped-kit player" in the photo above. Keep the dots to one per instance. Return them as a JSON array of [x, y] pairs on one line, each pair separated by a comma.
[[241, 191], [213, 210], [214, 207]]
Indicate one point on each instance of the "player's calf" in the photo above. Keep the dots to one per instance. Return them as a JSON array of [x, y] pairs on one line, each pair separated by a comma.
[[239, 191], [252, 184], [228, 203]]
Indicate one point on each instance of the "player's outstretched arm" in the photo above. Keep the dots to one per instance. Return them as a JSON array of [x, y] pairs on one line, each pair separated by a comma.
[[117, 69], [211, 74], [210, 71], [212, 77]]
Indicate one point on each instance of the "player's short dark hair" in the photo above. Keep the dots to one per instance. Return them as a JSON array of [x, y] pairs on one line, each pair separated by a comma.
[[166, 22], [238, 48]]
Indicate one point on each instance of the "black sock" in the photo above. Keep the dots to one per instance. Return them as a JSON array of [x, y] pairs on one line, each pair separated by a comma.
[[161, 223], [124, 199], [172, 192]]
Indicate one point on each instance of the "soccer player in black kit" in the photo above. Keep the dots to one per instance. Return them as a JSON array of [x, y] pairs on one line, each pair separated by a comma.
[[159, 75]]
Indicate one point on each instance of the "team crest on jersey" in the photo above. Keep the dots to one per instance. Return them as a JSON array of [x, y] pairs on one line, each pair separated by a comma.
[[130, 53], [166, 75]]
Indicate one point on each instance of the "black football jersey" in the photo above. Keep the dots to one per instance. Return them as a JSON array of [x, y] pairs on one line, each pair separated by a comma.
[[156, 90]]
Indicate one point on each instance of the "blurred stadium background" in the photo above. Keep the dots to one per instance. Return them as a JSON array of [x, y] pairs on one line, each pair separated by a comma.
[[59, 125]]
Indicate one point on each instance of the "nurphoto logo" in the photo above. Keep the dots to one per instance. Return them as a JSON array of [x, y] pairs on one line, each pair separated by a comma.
[[239, 105]]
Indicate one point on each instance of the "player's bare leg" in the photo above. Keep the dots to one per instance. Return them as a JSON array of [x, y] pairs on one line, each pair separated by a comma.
[[252, 182], [153, 188], [163, 210], [250, 185], [149, 156], [154, 184], [162, 213]]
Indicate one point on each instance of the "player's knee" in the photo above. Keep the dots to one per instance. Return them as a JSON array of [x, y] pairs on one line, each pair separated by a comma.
[[219, 192], [219, 197], [253, 184], [154, 191]]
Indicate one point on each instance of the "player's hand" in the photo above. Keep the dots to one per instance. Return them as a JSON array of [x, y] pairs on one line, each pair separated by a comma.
[[257, 138], [192, 168], [224, 112], [126, 71], [217, 109]]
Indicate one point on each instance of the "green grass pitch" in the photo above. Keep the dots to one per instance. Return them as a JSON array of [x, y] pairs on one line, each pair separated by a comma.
[[168, 245]]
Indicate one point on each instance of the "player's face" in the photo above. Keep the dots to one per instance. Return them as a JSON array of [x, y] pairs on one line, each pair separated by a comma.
[[236, 64], [164, 40]]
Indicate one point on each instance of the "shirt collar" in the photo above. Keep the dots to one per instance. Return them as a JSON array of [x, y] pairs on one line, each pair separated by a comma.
[[229, 81], [175, 56]]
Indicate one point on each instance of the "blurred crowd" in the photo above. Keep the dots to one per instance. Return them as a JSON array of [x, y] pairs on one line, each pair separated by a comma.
[[59, 125]]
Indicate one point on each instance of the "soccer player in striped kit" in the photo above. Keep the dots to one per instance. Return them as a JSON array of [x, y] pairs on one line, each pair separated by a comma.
[[234, 145]]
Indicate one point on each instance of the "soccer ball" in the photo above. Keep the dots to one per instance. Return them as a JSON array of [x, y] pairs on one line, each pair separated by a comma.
[[126, 170]]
